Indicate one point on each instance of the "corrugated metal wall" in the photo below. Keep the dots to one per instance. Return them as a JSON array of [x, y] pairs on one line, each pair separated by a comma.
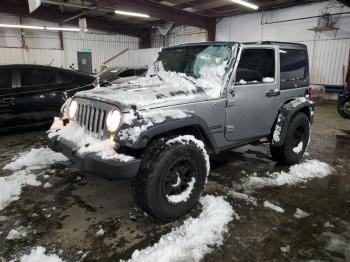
[[44, 47], [328, 60], [140, 57], [328, 51]]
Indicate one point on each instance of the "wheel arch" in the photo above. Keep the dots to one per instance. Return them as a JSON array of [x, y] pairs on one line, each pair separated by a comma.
[[286, 113], [193, 125]]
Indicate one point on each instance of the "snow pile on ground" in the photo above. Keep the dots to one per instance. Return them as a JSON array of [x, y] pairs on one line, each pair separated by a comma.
[[100, 232], [185, 195], [297, 173], [245, 197], [17, 233], [274, 207], [285, 249], [35, 159], [11, 186], [185, 140], [300, 214], [38, 255], [195, 238]]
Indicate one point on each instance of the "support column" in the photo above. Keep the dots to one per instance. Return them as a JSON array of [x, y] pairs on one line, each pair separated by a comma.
[[211, 30]]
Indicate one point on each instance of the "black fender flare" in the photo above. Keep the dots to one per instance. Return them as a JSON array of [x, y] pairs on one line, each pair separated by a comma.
[[285, 115], [173, 125]]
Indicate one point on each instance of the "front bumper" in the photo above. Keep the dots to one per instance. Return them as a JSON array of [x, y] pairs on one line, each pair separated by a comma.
[[92, 163]]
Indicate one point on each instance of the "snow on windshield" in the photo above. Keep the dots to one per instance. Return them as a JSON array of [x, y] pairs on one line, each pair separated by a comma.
[[205, 66]]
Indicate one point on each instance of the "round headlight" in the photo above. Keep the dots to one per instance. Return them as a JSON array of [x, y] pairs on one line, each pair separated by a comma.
[[72, 109], [113, 120]]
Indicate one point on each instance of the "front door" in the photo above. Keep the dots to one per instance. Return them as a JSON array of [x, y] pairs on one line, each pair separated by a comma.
[[253, 97]]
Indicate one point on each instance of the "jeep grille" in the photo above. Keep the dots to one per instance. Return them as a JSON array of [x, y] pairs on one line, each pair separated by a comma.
[[91, 116]]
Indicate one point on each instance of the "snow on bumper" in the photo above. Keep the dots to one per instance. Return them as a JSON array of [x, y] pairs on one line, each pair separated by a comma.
[[96, 163]]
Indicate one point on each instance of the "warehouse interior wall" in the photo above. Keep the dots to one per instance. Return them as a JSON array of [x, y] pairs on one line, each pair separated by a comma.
[[328, 51], [44, 47], [178, 35]]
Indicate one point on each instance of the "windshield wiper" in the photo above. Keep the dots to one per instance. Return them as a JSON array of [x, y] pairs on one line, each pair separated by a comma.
[[160, 78], [189, 79]]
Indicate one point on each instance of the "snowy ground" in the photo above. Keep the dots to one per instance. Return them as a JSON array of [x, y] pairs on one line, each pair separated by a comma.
[[251, 208]]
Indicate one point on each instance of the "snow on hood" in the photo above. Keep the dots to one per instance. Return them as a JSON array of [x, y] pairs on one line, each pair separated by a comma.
[[163, 88]]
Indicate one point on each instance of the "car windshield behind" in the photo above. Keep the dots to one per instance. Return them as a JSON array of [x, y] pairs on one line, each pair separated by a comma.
[[191, 60], [108, 73]]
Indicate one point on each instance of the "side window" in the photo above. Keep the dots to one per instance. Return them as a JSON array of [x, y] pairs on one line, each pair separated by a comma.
[[256, 66], [32, 77], [66, 77], [294, 66], [5, 78], [127, 73]]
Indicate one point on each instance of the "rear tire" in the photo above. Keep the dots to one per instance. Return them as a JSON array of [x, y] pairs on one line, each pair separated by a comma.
[[167, 172], [344, 109], [296, 141]]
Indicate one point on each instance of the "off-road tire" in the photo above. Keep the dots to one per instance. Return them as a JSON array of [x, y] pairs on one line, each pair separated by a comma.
[[341, 110], [148, 186], [300, 123]]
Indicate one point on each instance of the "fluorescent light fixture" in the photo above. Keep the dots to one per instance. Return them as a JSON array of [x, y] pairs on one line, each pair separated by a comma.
[[22, 26], [119, 12], [68, 29], [32, 27], [241, 2], [283, 52]]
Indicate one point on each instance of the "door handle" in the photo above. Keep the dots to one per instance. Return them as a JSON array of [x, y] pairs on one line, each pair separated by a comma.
[[273, 92]]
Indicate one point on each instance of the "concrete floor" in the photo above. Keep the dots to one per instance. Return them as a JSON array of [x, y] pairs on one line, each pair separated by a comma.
[[65, 218]]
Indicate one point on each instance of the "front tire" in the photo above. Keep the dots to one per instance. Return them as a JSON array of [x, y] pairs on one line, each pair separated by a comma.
[[171, 178], [296, 141], [344, 109]]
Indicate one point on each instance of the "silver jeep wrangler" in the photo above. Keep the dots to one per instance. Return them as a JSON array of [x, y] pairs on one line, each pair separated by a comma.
[[196, 100]]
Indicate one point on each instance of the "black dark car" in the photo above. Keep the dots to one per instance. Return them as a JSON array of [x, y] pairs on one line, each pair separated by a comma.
[[120, 75], [31, 95]]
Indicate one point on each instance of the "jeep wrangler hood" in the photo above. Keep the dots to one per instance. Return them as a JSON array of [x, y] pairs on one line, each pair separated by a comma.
[[146, 96]]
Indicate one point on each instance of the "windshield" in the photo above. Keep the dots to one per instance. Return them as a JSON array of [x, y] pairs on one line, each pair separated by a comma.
[[108, 73], [193, 60]]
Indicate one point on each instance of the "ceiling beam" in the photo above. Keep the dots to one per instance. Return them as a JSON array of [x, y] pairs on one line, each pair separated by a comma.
[[157, 10], [192, 3], [43, 13]]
